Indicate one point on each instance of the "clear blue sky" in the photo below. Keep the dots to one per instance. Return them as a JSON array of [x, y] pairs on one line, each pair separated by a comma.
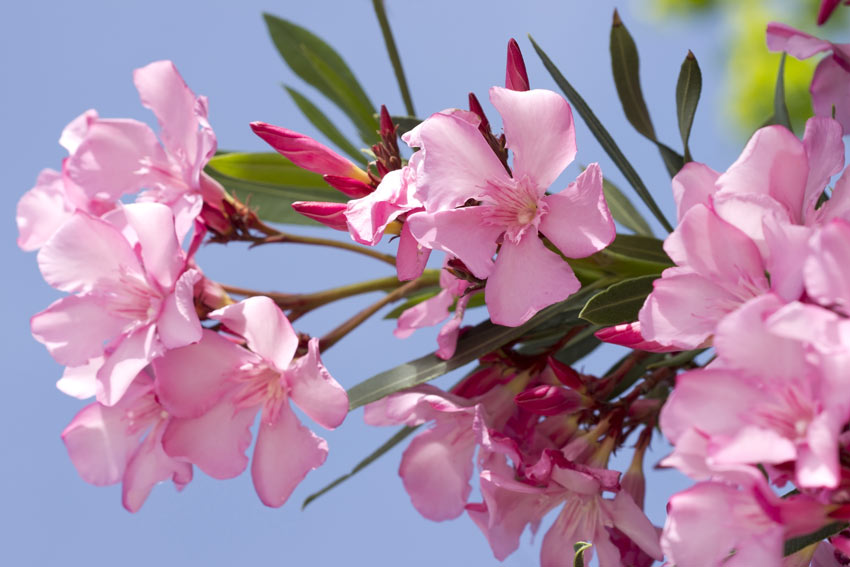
[[60, 59]]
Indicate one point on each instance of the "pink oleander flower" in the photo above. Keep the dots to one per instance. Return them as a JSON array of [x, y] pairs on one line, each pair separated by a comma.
[[714, 524], [831, 82], [474, 207], [434, 310], [768, 399], [215, 388], [512, 502], [123, 443], [133, 295]]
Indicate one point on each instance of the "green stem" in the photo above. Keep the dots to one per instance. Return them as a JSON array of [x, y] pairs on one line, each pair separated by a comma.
[[392, 50]]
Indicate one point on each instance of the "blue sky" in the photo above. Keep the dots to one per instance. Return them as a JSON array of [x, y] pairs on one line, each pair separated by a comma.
[[63, 58]]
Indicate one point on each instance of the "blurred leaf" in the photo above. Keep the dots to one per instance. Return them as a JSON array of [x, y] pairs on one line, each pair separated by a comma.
[[640, 248], [582, 344], [321, 66], [780, 108], [269, 183], [400, 436], [625, 66], [579, 549], [602, 135], [623, 211], [688, 89], [406, 123], [392, 51], [318, 119], [620, 303], [478, 341], [794, 545]]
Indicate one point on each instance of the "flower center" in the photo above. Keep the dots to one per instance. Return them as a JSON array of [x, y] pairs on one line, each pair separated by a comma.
[[515, 205]]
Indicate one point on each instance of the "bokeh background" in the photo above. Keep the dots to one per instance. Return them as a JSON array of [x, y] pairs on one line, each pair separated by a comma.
[[61, 58]]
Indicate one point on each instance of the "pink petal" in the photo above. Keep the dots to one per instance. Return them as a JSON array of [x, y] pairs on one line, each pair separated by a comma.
[[753, 445], [516, 77], [264, 326], [787, 249], [149, 466], [131, 355], [830, 88], [80, 381], [369, 216], [331, 215], [539, 131], [527, 278], [630, 519], [838, 205], [286, 451], [693, 185], [629, 335], [190, 380], [75, 329], [178, 324], [463, 233], [827, 269], [75, 132], [314, 390], [216, 441], [411, 258], [578, 221], [425, 314], [179, 112], [827, 7], [773, 163], [117, 157], [84, 253], [449, 333], [817, 461], [825, 150], [459, 163], [781, 37], [161, 254], [42, 210], [436, 468]]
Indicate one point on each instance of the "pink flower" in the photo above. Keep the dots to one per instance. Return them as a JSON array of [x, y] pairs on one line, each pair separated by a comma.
[[827, 7], [830, 82], [134, 294], [123, 443], [510, 210], [215, 388]]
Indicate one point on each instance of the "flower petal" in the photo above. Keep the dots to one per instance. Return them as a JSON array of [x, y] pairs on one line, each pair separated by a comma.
[[264, 326], [178, 324], [149, 466], [314, 390], [693, 185], [131, 355], [830, 88], [42, 210], [153, 224]]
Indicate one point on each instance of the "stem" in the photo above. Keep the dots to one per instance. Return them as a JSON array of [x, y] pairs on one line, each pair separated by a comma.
[[335, 335], [273, 236], [392, 50]]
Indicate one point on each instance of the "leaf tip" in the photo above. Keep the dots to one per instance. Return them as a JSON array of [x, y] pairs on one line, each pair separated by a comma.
[[616, 21], [690, 55]]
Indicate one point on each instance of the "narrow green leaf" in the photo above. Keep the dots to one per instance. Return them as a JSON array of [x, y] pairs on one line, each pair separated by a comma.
[[400, 436], [321, 66], [619, 303], [582, 344], [673, 161], [780, 108], [625, 65], [475, 343], [406, 123], [602, 136], [318, 119], [623, 211], [579, 549], [794, 545], [269, 184], [688, 89], [640, 248], [392, 51]]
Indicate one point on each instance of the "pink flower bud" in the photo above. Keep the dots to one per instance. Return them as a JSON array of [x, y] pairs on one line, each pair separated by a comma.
[[549, 400], [516, 77], [329, 214], [564, 373], [354, 188], [475, 107], [307, 153], [629, 335]]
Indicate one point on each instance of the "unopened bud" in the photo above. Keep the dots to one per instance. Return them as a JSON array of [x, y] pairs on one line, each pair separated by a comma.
[[329, 214], [564, 373], [634, 481], [354, 188], [516, 78], [475, 108]]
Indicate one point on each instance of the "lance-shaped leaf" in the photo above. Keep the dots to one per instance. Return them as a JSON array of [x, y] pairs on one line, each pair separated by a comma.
[[625, 65], [392, 51], [623, 211], [406, 123], [602, 136], [318, 119], [780, 108], [794, 545], [579, 548], [400, 436], [688, 89], [640, 248], [321, 66], [482, 339], [620, 303], [269, 183]]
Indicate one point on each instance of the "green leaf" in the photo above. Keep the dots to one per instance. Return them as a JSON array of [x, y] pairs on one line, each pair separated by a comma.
[[602, 135], [406, 123], [623, 211], [794, 545], [270, 183], [625, 65], [580, 346], [640, 248], [392, 51], [400, 436], [321, 66], [579, 549], [619, 303], [477, 342], [780, 108], [318, 119], [688, 89]]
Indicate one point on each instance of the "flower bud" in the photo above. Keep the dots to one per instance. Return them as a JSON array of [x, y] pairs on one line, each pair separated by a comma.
[[354, 188], [550, 400], [516, 78], [329, 214]]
